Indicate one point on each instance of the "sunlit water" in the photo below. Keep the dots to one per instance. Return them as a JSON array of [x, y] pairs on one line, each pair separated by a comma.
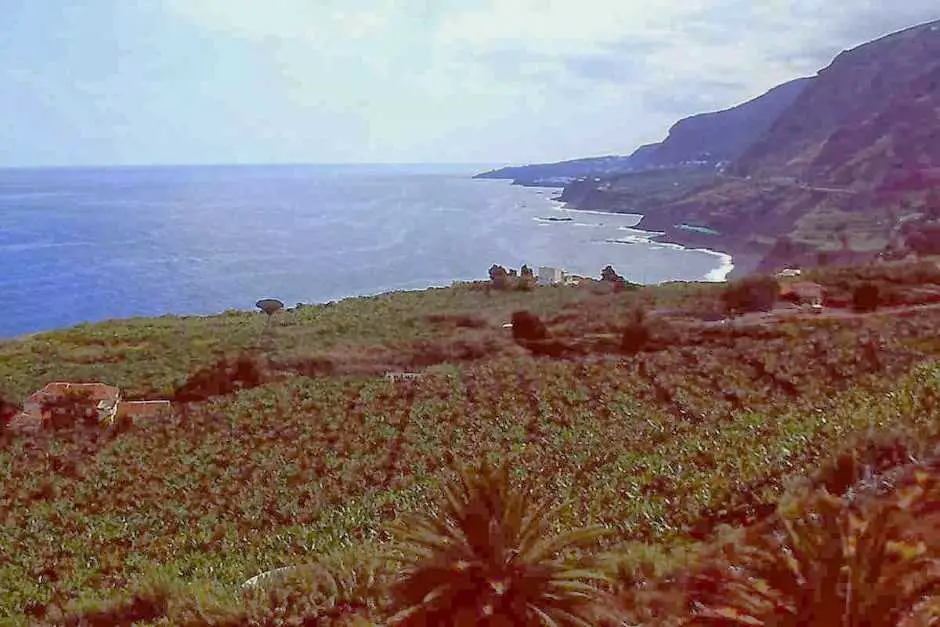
[[90, 244]]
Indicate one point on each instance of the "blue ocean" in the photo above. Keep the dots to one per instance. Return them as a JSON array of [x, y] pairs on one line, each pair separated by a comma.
[[88, 244]]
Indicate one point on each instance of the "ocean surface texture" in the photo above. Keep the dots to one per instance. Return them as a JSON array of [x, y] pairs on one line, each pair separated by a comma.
[[90, 244]]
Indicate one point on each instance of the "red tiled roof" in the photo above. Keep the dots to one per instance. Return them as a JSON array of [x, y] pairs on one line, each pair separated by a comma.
[[95, 391]]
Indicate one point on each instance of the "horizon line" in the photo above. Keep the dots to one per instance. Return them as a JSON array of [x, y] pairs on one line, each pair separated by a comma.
[[79, 166]]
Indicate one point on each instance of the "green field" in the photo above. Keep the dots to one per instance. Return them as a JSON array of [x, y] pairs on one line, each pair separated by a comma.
[[703, 428]]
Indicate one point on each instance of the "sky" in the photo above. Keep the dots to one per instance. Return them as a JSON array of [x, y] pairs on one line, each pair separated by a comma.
[[132, 82]]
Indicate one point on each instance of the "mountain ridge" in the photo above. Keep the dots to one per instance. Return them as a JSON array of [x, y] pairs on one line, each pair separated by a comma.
[[726, 134], [710, 137], [829, 166]]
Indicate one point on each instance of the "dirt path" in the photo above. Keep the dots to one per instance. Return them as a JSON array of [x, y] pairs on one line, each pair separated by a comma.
[[781, 314]]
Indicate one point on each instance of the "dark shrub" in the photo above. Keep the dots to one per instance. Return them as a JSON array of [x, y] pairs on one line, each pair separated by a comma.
[[499, 278], [466, 321], [224, 377], [636, 334], [609, 275], [7, 411], [547, 348], [754, 293], [527, 326], [866, 297], [527, 280]]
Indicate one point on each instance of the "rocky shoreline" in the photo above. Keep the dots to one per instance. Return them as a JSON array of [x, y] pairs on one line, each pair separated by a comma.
[[829, 169], [744, 259]]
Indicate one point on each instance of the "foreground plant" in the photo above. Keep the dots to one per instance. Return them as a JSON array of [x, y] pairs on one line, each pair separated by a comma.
[[830, 562], [489, 558], [340, 589]]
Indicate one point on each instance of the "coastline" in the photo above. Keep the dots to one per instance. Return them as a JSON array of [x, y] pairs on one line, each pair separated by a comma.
[[724, 265], [730, 265]]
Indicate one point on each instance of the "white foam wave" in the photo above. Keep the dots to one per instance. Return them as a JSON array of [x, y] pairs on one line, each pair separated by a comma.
[[719, 274], [716, 275]]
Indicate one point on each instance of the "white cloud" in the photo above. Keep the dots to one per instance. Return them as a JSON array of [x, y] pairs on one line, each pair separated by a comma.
[[603, 74], [316, 22]]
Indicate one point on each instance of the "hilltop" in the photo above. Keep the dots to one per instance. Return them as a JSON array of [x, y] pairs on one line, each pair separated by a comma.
[[661, 413], [710, 138], [836, 163]]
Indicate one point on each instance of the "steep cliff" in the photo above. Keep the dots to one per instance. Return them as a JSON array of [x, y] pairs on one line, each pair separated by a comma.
[[849, 159], [872, 110], [725, 135], [709, 137], [833, 163]]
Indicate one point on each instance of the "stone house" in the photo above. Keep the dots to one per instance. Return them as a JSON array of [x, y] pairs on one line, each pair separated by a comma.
[[104, 397], [106, 400]]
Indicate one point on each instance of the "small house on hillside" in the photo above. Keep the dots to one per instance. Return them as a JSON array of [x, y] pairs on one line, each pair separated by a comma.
[[105, 399], [803, 293]]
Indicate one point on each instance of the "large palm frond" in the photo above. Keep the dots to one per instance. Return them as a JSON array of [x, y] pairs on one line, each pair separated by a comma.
[[829, 562], [489, 557]]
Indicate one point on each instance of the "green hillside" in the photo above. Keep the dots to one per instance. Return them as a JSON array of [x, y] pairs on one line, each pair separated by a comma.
[[306, 453]]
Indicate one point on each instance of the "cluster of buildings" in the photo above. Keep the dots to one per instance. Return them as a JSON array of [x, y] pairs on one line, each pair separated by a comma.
[[548, 275], [105, 399]]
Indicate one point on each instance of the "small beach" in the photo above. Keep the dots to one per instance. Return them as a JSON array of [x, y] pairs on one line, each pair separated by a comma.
[[649, 238]]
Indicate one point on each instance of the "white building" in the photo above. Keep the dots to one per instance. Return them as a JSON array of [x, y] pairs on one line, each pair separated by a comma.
[[550, 276]]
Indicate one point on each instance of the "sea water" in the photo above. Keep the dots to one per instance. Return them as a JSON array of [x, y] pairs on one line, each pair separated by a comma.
[[88, 244]]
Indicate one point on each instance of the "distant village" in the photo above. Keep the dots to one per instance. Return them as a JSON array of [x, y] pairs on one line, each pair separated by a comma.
[[547, 275], [501, 278]]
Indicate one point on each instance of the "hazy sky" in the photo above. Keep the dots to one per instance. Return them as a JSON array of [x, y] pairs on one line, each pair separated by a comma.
[[313, 81]]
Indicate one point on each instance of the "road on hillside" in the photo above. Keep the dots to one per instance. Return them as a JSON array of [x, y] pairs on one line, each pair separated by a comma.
[[782, 314], [793, 183]]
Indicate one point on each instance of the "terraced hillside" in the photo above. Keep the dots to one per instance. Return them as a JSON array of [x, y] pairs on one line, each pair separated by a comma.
[[309, 451]]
